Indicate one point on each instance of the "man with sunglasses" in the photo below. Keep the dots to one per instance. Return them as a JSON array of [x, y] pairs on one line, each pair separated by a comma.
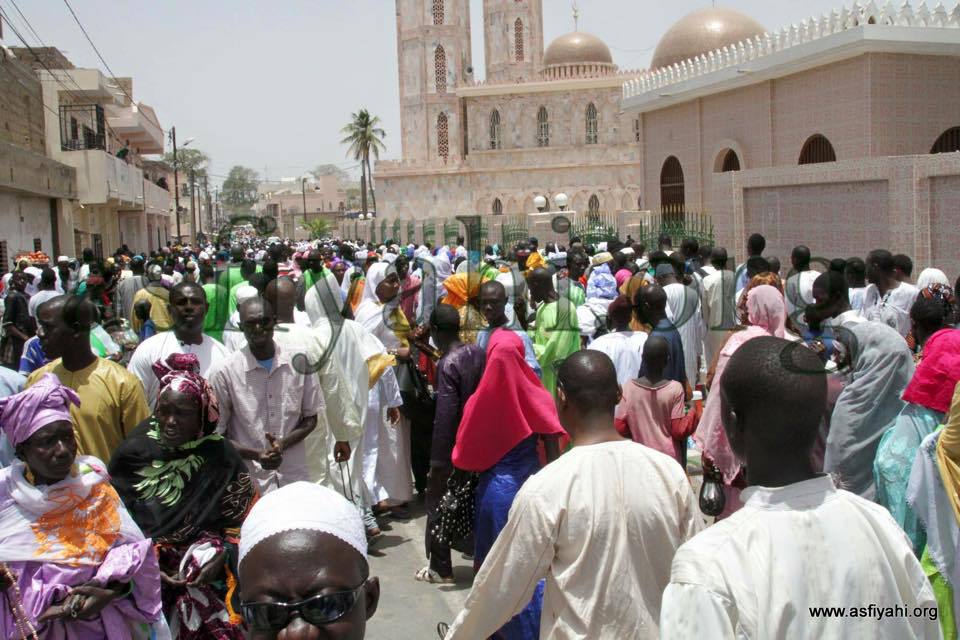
[[267, 407], [303, 566]]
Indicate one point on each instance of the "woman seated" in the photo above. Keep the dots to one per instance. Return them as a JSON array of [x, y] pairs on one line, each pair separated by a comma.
[[73, 564], [189, 490]]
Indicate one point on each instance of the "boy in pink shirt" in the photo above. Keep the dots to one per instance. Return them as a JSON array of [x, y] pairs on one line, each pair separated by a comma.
[[651, 411]]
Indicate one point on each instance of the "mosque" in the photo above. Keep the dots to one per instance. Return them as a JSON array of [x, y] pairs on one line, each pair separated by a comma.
[[833, 131]]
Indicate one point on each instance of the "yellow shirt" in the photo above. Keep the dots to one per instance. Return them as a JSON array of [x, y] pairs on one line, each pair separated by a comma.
[[162, 320], [111, 404]]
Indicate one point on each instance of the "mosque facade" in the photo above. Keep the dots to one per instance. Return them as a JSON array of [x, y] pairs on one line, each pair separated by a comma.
[[839, 131]]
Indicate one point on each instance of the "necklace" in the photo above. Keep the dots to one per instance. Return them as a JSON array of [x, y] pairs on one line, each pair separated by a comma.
[[25, 628]]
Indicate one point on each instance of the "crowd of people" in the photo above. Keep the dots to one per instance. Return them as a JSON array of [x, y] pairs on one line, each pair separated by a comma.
[[627, 441]]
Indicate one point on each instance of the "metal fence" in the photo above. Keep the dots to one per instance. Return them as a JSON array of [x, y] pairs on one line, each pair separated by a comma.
[[560, 227]]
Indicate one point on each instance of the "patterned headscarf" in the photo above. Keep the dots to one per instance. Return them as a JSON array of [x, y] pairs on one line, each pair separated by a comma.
[[181, 372]]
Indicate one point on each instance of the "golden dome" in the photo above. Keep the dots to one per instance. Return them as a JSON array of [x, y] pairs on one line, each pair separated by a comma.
[[577, 48], [703, 31]]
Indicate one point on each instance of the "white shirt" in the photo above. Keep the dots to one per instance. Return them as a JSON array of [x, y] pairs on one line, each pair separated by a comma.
[[856, 295], [158, 347], [892, 309], [798, 293], [846, 319], [757, 573], [601, 524], [625, 348]]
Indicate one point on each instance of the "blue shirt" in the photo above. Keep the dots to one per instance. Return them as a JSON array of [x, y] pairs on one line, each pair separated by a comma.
[[32, 358], [483, 338], [11, 382]]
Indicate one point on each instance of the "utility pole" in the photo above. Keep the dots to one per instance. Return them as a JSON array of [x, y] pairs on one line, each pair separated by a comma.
[[176, 183], [193, 210], [206, 192]]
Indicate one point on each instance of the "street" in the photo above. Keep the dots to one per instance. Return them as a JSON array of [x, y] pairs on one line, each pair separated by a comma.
[[409, 609]]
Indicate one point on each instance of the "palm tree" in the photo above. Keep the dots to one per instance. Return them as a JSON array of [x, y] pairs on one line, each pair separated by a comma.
[[364, 138]]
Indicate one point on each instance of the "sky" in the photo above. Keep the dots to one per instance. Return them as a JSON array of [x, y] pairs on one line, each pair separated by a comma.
[[268, 84]]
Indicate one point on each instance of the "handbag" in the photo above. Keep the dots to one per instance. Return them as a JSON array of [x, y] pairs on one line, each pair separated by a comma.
[[712, 497], [456, 509]]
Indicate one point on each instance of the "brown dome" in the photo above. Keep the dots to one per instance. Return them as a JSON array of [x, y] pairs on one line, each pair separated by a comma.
[[577, 48], [703, 31]]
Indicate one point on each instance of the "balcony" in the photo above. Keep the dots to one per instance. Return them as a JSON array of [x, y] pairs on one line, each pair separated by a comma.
[[138, 126], [156, 200], [105, 179]]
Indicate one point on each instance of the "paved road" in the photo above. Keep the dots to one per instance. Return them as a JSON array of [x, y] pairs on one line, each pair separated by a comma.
[[410, 610]]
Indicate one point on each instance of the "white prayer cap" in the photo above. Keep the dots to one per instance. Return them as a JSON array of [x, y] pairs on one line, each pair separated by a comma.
[[204, 255], [63, 259], [245, 293], [627, 251], [303, 506], [361, 255], [390, 257]]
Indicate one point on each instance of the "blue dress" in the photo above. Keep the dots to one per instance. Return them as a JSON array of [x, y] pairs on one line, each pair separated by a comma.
[[495, 493]]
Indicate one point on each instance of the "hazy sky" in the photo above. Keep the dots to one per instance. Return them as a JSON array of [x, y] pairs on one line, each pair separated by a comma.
[[269, 83]]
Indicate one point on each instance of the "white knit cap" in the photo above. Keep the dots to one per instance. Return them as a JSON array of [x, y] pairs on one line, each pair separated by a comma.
[[246, 292], [303, 506]]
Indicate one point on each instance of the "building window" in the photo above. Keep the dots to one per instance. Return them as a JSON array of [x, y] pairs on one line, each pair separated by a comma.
[[495, 142], [443, 139], [497, 207], [636, 129], [949, 141], [3, 256], [437, 11], [672, 197], [591, 124], [593, 205], [518, 40], [97, 245], [440, 68], [543, 128], [731, 161], [37, 244], [817, 149], [74, 128]]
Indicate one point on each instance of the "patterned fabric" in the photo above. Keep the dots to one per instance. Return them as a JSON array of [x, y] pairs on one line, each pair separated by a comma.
[[181, 373]]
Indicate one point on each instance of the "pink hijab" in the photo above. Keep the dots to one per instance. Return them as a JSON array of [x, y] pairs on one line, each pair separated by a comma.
[[509, 405], [767, 316], [43, 403]]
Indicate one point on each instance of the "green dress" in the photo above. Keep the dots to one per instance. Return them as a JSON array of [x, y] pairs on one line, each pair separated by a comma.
[[216, 317], [556, 336]]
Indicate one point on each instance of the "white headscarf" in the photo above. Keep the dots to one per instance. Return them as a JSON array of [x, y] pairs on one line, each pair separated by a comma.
[[376, 274], [441, 263], [932, 276], [303, 506]]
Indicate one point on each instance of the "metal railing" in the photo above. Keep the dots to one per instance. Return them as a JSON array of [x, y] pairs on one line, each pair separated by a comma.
[[82, 127]]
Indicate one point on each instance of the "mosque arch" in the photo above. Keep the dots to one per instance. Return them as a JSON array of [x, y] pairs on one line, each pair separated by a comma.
[[593, 205], [948, 142], [626, 201], [495, 140], [518, 40], [817, 149], [443, 136], [497, 207], [437, 12], [543, 127], [672, 192], [728, 160]]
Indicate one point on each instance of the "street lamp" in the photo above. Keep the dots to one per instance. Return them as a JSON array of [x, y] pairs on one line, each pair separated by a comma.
[[562, 200], [540, 203], [303, 192], [176, 182]]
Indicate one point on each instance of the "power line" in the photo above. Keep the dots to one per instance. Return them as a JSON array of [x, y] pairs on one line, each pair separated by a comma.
[[112, 74]]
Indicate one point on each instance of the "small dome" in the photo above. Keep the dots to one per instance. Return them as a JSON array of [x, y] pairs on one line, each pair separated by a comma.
[[577, 48], [703, 31]]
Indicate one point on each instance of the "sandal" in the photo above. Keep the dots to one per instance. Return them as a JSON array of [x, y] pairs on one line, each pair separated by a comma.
[[429, 575]]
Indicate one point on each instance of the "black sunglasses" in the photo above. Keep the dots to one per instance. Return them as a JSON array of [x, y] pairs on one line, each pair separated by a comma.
[[317, 610]]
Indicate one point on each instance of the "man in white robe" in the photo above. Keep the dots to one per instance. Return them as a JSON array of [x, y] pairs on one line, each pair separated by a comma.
[[600, 524], [623, 346], [719, 313], [798, 543], [683, 309], [886, 299]]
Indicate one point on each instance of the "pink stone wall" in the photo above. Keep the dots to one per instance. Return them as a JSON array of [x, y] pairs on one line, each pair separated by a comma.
[[945, 225]]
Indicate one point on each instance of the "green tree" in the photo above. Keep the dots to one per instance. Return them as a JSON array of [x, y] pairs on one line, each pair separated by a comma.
[[364, 138], [240, 188], [318, 228], [189, 160]]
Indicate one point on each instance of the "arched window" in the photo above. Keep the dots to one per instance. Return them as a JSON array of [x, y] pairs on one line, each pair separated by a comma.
[[591, 124], [817, 149], [593, 205], [497, 207], [731, 161], [495, 130], [543, 128], [437, 11], [948, 141], [440, 68], [518, 40], [443, 136], [672, 196]]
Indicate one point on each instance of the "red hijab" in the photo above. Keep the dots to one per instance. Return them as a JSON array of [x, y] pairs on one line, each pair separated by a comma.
[[509, 405]]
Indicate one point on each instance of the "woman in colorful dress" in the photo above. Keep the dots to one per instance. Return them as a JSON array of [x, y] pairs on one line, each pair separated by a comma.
[[73, 564], [189, 490]]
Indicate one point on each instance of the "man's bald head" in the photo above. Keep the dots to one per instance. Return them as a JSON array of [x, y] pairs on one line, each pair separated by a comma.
[[540, 283], [282, 294], [656, 354], [588, 381], [773, 394]]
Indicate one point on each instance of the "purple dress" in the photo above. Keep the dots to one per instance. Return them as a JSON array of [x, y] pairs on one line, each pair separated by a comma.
[[130, 559]]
